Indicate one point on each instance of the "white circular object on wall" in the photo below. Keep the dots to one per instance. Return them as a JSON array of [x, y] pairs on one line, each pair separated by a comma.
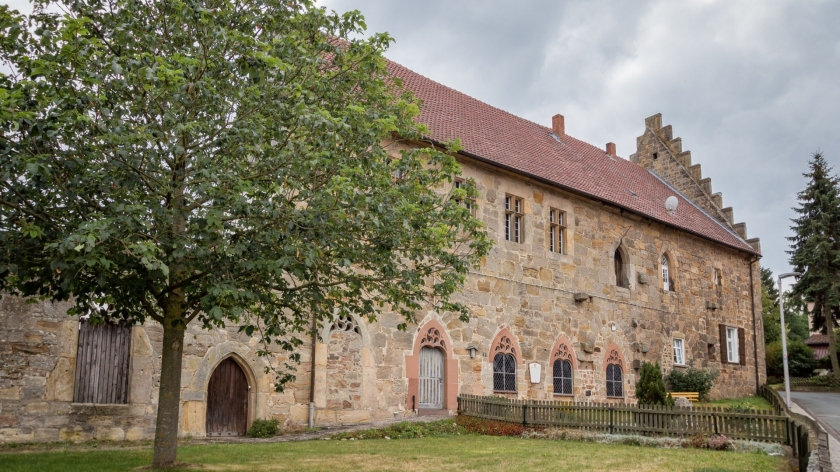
[[671, 204]]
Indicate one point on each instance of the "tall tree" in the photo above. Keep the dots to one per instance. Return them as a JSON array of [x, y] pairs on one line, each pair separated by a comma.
[[769, 284], [215, 161], [770, 307], [816, 249]]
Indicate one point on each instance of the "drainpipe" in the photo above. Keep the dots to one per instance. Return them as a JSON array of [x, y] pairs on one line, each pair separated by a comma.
[[312, 376], [755, 328]]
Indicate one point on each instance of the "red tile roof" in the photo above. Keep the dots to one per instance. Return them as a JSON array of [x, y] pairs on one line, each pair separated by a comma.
[[523, 146], [817, 339]]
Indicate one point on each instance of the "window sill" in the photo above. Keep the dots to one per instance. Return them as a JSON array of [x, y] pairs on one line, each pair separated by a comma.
[[564, 395], [681, 365], [505, 391]]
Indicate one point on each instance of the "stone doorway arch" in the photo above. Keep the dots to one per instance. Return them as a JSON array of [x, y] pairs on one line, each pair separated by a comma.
[[350, 323], [432, 336], [194, 397]]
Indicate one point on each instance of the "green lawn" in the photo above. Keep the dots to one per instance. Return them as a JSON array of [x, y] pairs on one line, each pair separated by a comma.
[[464, 452], [755, 402]]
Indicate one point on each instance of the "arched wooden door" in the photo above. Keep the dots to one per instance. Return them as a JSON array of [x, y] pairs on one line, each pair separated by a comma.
[[227, 400], [431, 378]]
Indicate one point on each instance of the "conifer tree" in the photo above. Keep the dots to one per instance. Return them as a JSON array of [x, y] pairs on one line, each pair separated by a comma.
[[816, 249], [770, 307], [650, 389]]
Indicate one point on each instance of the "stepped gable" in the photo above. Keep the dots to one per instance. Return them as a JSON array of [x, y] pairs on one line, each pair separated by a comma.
[[661, 153], [549, 154]]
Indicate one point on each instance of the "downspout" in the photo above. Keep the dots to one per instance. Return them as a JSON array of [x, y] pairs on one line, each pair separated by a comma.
[[755, 326], [312, 376]]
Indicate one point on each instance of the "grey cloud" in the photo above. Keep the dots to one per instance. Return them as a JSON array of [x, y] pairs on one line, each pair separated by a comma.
[[750, 86]]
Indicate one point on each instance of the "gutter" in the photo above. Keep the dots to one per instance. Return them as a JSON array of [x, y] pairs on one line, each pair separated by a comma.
[[585, 194], [755, 326]]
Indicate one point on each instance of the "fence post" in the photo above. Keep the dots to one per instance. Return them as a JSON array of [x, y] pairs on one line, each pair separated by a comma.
[[525, 413], [714, 416], [787, 432], [611, 419]]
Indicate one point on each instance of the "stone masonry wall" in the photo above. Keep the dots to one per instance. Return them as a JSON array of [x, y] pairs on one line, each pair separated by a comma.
[[520, 290]]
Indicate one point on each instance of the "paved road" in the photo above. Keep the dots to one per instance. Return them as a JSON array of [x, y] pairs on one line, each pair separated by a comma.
[[825, 405]]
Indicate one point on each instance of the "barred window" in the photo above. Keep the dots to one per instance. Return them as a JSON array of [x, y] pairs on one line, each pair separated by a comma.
[[513, 219], [557, 231], [614, 384], [562, 377], [469, 201], [504, 373]]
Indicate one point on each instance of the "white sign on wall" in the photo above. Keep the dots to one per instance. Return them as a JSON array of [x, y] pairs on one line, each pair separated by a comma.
[[535, 368]]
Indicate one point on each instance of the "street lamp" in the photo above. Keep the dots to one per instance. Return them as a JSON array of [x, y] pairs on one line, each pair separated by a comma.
[[784, 334]]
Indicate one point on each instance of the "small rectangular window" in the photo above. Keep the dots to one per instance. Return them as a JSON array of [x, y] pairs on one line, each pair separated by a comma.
[[469, 201], [513, 219], [557, 231], [679, 351], [732, 348]]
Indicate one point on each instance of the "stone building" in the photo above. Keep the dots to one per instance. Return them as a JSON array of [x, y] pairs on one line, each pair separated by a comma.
[[590, 275]]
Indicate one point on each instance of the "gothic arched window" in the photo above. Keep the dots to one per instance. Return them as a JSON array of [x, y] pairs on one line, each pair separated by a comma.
[[615, 387], [504, 373], [562, 377]]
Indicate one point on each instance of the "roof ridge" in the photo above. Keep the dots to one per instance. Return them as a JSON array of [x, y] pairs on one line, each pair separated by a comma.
[[513, 115], [512, 142]]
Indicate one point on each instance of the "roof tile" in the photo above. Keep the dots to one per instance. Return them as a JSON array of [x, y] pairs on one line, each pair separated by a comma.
[[522, 145]]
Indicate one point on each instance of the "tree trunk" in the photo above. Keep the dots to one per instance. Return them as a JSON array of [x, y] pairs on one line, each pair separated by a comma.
[[169, 396], [832, 343]]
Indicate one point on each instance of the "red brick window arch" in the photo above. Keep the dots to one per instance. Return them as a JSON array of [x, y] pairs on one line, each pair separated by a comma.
[[504, 365], [615, 374], [433, 338], [562, 370]]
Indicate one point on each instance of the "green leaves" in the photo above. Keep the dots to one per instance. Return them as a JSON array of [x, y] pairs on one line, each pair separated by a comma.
[[230, 162]]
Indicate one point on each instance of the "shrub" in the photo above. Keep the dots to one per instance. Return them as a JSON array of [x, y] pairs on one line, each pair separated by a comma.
[[264, 428], [719, 443], [692, 380], [650, 389], [801, 361]]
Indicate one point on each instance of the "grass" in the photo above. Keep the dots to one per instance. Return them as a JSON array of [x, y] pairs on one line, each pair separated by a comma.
[[754, 402], [446, 453]]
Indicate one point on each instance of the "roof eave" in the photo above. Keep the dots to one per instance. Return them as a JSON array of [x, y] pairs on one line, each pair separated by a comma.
[[593, 197]]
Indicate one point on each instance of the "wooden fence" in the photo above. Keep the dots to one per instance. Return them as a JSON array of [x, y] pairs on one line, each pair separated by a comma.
[[806, 434], [756, 425]]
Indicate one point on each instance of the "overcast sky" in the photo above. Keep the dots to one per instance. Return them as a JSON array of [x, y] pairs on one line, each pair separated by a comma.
[[751, 87]]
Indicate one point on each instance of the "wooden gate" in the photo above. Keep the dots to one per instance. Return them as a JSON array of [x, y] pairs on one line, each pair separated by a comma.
[[431, 378], [227, 400]]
